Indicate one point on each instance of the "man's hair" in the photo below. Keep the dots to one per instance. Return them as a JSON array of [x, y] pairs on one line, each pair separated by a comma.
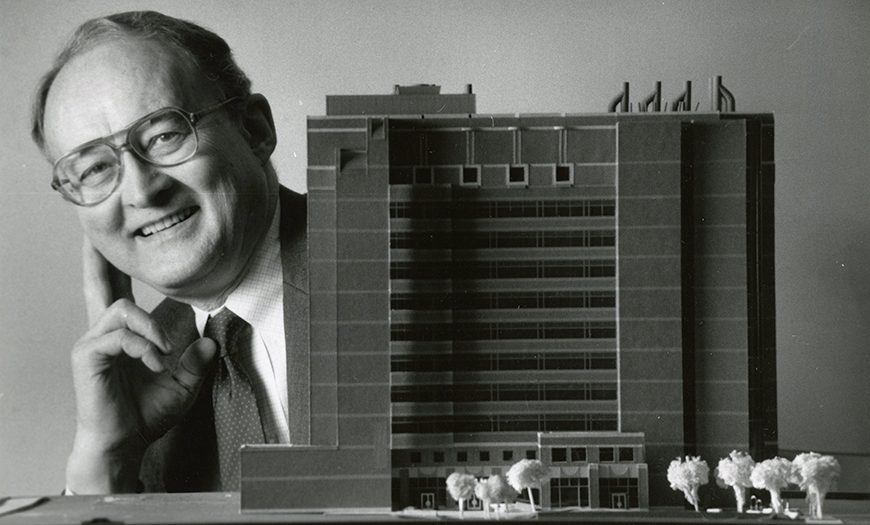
[[208, 52]]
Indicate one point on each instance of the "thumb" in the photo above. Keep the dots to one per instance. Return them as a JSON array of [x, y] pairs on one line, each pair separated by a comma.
[[194, 364]]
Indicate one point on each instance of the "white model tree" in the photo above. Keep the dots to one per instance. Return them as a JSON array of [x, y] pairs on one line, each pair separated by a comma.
[[461, 487], [688, 476], [814, 474], [502, 493], [527, 474], [773, 475], [734, 471], [483, 491]]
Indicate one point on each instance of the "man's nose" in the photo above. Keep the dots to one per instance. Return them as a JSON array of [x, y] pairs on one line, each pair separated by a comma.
[[143, 184]]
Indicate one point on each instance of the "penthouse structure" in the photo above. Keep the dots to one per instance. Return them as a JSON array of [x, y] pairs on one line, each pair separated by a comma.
[[595, 291]]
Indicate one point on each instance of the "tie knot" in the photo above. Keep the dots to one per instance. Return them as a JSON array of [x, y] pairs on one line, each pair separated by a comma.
[[225, 329]]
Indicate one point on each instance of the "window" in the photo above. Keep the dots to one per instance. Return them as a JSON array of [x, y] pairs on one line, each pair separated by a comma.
[[578, 454], [507, 455], [605, 454], [518, 175], [484, 455], [471, 175], [461, 456], [626, 454], [422, 175], [563, 175], [438, 457], [416, 457], [531, 454], [559, 455]]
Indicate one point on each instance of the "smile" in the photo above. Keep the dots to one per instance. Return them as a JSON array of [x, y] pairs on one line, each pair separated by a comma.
[[166, 222]]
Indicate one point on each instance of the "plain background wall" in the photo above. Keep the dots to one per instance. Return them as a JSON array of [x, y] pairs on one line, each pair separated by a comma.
[[807, 62]]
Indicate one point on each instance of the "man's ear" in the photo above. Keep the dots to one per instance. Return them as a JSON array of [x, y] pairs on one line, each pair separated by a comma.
[[259, 127]]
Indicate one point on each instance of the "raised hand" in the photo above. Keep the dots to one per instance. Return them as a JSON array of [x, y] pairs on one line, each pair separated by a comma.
[[132, 382]]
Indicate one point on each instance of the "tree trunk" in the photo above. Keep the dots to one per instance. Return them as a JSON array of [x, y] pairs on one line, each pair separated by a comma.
[[817, 496], [776, 501], [461, 506], [740, 496], [695, 498], [532, 499]]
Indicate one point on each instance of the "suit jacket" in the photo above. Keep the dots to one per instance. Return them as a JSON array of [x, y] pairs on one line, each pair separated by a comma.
[[185, 458]]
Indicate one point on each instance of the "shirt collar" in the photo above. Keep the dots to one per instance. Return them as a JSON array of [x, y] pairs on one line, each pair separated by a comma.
[[258, 298]]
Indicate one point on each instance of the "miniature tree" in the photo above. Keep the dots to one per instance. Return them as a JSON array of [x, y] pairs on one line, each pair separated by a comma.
[[688, 476], [734, 472], [501, 492], [526, 474], [814, 473], [461, 487], [772, 475], [483, 491]]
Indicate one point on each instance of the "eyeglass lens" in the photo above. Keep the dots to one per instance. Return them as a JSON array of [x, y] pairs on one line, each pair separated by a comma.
[[164, 139]]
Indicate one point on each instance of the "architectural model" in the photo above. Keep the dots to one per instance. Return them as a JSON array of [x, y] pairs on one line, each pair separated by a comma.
[[592, 291]]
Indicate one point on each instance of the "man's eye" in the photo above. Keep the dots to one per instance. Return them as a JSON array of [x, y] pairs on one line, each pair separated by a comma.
[[96, 173], [165, 139]]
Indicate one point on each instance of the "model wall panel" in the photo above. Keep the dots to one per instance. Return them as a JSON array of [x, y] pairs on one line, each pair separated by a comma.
[[649, 179], [650, 271], [323, 152], [720, 241], [652, 211], [720, 270], [365, 306], [494, 176], [721, 428], [324, 400], [726, 364], [722, 210], [721, 395], [723, 140], [494, 147], [650, 303], [722, 303], [649, 141], [721, 333], [658, 364], [365, 215], [540, 176], [323, 273], [649, 240], [321, 179], [660, 393], [323, 307], [362, 244], [591, 145], [360, 275], [539, 146], [589, 176], [446, 147]]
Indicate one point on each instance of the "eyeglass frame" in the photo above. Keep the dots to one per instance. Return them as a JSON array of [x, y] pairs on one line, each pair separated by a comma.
[[192, 118]]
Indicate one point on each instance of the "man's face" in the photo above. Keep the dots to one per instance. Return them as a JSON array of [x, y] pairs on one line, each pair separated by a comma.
[[187, 230]]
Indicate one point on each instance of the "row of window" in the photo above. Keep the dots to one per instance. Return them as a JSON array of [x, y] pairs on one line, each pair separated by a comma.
[[514, 175], [502, 209], [502, 331], [503, 361], [461, 270], [470, 240], [501, 300], [605, 454], [458, 393], [503, 423], [417, 457]]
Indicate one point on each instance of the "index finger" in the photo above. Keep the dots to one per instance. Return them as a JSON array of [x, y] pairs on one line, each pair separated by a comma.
[[125, 315], [103, 284]]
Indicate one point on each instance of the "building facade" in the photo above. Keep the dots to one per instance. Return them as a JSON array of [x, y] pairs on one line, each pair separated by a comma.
[[595, 291]]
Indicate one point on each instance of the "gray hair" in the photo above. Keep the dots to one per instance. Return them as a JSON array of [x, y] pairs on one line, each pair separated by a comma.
[[208, 52]]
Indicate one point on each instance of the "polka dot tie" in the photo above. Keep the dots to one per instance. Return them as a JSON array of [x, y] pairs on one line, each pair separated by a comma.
[[236, 417]]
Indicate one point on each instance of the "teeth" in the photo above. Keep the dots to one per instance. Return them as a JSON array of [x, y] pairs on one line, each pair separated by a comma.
[[166, 222]]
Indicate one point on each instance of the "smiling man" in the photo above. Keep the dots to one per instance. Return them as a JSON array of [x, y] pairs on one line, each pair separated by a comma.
[[155, 137]]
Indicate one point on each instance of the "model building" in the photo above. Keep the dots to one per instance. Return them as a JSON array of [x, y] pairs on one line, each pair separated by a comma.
[[592, 291]]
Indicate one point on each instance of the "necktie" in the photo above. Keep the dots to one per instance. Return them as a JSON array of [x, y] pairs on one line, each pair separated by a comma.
[[236, 417]]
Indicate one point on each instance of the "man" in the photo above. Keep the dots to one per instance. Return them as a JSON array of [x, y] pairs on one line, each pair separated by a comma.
[[156, 138]]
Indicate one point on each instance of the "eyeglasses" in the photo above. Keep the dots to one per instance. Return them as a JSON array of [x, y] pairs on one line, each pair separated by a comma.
[[167, 137]]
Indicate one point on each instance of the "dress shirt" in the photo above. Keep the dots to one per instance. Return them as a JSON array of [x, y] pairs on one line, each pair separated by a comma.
[[259, 300]]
